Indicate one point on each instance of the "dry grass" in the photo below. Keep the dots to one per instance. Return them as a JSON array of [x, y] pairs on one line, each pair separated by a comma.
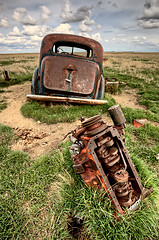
[[19, 63], [132, 63]]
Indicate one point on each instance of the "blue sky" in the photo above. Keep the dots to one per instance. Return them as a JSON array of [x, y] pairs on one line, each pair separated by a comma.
[[119, 25]]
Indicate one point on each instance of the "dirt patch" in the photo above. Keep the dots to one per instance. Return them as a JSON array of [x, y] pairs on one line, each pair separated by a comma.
[[36, 138], [128, 98]]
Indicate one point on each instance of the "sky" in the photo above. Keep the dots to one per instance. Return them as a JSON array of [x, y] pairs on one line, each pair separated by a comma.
[[119, 25]]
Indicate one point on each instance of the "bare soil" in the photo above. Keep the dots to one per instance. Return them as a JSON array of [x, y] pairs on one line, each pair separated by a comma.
[[36, 138], [128, 98]]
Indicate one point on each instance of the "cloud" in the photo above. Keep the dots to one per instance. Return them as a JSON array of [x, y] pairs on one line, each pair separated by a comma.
[[36, 38], [96, 36], [15, 32], [150, 18], [121, 35], [63, 28], [149, 24], [4, 23], [85, 25], [80, 14], [39, 30], [45, 13], [2, 6], [84, 28], [114, 5], [20, 15]]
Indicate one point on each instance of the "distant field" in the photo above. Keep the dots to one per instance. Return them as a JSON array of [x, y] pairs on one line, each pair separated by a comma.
[[123, 61], [18, 63], [136, 64]]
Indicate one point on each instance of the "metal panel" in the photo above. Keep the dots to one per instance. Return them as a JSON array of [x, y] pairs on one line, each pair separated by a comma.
[[69, 74]]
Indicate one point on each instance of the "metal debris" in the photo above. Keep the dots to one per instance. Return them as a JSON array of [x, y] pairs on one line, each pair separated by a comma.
[[140, 122], [100, 156]]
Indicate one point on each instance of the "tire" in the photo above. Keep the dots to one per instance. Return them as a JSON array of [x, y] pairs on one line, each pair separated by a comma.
[[101, 90], [35, 80]]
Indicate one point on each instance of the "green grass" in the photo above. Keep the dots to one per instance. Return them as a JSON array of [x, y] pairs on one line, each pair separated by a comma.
[[15, 79], [3, 104], [148, 90], [69, 113], [62, 112], [10, 62], [39, 198]]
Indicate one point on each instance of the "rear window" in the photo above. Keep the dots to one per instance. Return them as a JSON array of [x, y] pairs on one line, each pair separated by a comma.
[[71, 48]]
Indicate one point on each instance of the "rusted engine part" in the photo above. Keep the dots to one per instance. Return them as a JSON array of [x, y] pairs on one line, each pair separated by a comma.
[[99, 154]]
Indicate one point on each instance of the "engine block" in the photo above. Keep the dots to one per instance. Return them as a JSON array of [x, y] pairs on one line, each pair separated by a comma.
[[100, 156]]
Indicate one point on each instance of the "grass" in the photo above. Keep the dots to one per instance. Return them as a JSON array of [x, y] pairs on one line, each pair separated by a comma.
[[15, 79], [40, 199], [20, 68], [140, 73], [148, 92], [3, 104], [63, 113], [69, 113]]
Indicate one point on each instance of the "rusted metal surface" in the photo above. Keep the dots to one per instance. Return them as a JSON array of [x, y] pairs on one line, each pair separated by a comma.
[[62, 73], [100, 156], [139, 122], [66, 99]]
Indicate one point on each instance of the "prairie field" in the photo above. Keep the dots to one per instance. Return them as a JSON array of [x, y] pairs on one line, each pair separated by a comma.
[[40, 193]]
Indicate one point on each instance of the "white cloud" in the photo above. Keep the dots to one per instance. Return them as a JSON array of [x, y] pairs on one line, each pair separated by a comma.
[[123, 40], [96, 36], [84, 34], [20, 15], [45, 14], [85, 25], [1, 35], [36, 30], [63, 28], [88, 21], [15, 32], [4, 23], [36, 38], [120, 35], [84, 28], [13, 39], [148, 24], [136, 39]]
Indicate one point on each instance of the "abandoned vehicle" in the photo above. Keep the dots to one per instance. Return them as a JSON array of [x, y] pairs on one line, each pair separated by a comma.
[[70, 69]]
